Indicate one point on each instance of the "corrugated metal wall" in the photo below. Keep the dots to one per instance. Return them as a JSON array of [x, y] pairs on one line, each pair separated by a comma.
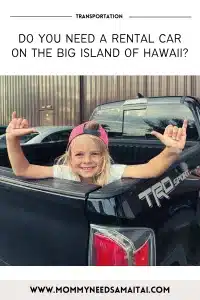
[[102, 89], [21, 95], [34, 96], [56, 99], [62, 95]]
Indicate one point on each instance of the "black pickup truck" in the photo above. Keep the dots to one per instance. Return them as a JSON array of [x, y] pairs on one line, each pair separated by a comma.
[[128, 222], [2, 129]]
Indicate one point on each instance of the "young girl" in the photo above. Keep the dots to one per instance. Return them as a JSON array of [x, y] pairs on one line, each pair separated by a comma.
[[87, 157]]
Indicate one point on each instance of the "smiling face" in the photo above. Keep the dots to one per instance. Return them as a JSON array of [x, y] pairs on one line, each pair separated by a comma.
[[86, 157]]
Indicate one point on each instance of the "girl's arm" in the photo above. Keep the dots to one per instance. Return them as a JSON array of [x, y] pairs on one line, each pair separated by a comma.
[[174, 139], [20, 165]]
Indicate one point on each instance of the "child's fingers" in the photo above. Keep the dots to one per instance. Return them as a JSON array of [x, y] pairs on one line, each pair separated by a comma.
[[184, 128], [14, 115], [28, 130], [13, 123], [34, 130], [23, 131], [158, 135], [170, 130], [166, 130], [175, 132], [24, 124], [18, 123], [179, 134], [185, 124]]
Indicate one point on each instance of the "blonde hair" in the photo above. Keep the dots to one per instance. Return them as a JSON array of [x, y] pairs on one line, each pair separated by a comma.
[[102, 177]]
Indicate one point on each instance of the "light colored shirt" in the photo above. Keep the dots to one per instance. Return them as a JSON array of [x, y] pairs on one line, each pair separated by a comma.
[[65, 172]]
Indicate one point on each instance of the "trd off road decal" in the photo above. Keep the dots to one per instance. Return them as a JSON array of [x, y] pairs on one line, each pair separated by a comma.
[[162, 189]]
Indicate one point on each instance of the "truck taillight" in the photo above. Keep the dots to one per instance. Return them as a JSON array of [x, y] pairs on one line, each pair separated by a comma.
[[112, 246], [108, 252], [141, 256]]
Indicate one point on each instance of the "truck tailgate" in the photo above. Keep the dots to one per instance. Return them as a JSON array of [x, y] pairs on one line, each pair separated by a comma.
[[42, 222]]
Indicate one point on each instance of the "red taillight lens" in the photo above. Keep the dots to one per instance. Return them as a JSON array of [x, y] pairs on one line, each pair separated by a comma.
[[141, 257], [108, 252], [111, 246]]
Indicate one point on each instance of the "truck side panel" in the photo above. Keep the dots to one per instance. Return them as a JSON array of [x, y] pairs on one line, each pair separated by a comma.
[[40, 228]]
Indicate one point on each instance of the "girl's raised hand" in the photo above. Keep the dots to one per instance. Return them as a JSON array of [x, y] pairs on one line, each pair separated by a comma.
[[173, 136], [18, 126]]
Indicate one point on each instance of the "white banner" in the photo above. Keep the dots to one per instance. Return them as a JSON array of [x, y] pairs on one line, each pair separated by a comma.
[[105, 38], [25, 290]]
